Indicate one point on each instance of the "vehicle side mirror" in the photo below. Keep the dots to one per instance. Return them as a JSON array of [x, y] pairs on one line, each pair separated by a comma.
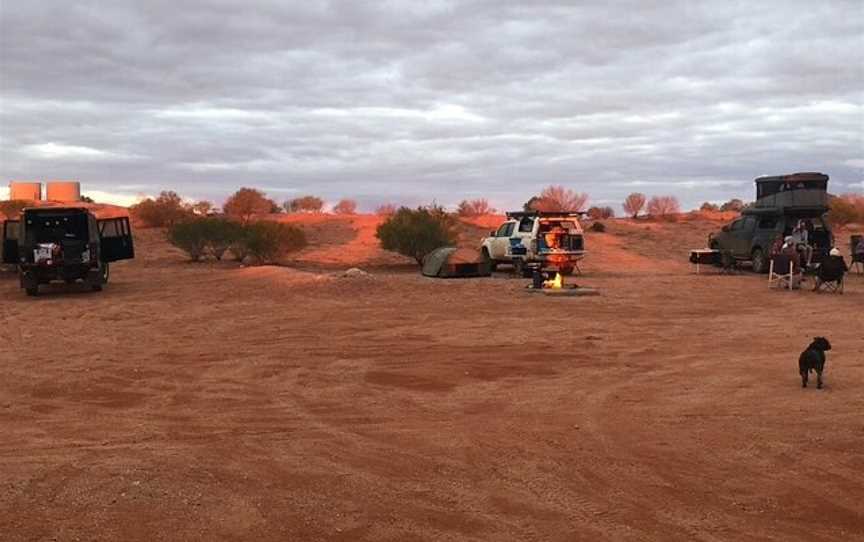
[[726, 228]]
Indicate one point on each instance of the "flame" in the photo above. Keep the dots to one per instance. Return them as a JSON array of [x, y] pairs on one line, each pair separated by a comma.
[[556, 284]]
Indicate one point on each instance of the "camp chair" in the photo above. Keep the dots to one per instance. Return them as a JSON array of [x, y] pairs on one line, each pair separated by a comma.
[[830, 274], [781, 272], [857, 259]]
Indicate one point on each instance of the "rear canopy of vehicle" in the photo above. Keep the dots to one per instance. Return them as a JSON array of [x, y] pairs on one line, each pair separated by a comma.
[[452, 262]]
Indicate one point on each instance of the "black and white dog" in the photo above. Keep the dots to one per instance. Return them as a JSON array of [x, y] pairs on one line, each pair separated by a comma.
[[813, 359]]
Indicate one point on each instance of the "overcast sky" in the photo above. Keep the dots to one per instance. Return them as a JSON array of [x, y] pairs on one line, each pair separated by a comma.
[[410, 101]]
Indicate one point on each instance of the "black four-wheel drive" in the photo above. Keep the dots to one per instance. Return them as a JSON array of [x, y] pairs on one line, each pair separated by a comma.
[[64, 244]]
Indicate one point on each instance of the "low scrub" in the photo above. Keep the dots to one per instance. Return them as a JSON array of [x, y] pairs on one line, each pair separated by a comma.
[[417, 232], [264, 241], [190, 237], [269, 241]]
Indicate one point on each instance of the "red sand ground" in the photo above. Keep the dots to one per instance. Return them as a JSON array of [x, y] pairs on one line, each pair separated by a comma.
[[213, 402]]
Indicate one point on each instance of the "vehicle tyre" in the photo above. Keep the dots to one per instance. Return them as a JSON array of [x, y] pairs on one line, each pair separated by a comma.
[[519, 267], [759, 261], [714, 245], [95, 279], [487, 259], [567, 271], [30, 285]]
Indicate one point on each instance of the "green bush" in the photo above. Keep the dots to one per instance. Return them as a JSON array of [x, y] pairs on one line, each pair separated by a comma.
[[220, 235], [268, 241], [190, 237], [417, 232]]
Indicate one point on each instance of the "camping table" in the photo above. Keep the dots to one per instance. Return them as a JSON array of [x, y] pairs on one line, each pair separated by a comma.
[[704, 256]]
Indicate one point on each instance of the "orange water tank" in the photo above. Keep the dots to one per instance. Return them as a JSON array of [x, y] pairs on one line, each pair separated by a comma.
[[26, 190], [63, 191]]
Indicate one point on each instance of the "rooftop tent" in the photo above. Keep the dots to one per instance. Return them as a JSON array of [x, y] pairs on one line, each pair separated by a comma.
[[452, 262], [798, 190]]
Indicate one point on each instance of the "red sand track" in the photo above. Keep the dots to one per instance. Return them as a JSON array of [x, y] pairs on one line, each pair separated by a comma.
[[211, 402]]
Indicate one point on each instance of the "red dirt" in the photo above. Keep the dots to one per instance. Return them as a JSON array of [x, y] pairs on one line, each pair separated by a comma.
[[214, 402]]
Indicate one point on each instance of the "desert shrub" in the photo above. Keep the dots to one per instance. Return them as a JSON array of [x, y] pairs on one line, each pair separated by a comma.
[[190, 237], [304, 204], [598, 227], [733, 204], [663, 207], [244, 204], [268, 241], [846, 209], [220, 234], [601, 213], [474, 207], [386, 209], [708, 206], [417, 232], [87, 199], [345, 207], [557, 198], [633, 204], [164, 211], [11, 208], [239, 247]]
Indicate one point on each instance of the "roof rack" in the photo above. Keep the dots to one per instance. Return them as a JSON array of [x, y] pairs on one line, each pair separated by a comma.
[[541, 214]]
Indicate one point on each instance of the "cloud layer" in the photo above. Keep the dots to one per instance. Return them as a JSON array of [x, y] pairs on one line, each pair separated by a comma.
[[408, 102]]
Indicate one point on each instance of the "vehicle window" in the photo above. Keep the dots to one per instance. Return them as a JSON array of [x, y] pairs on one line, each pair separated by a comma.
[[509, 231], [502, 230], [749, 223], [110, 228], [526, 225], [768, 223], [736, 225]]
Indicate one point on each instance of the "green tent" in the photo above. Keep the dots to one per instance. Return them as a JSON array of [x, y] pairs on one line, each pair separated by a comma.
[[453, 262]]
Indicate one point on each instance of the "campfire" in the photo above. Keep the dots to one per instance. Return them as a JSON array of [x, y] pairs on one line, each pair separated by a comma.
[[555, 284]]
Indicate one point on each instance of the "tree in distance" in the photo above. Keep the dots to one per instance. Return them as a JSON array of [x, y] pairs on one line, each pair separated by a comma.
[[633, 204], [601, 213], [345, 207], [733, 204], [846, 209], [13, 207], [164, 211], [244, 204], [663, 206], [386, 209], [417, 232], [474, 207], [557, 199], [304, 204]]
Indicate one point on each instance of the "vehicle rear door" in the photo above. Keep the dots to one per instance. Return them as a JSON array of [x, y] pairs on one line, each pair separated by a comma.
[[10, 235], [115, 239]]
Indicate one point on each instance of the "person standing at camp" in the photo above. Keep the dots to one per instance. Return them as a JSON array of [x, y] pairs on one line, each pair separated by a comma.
[[801, 238]]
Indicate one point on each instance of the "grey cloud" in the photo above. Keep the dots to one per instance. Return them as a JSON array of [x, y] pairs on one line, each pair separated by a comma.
[[405, 101]]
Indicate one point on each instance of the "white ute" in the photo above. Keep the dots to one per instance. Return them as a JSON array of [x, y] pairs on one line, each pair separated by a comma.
[[537, 240]]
